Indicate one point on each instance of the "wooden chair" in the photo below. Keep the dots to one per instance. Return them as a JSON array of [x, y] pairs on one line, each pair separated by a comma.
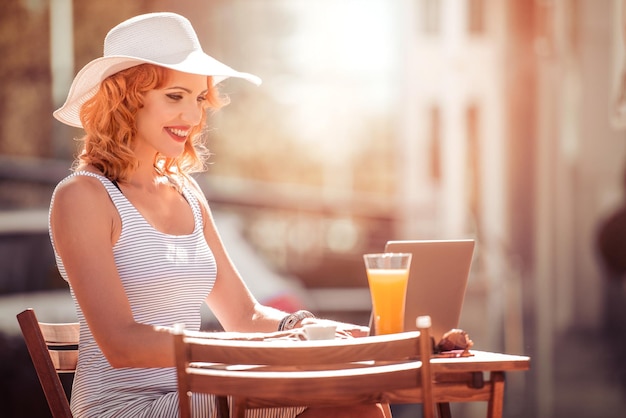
[[53, 349], [278, 373]]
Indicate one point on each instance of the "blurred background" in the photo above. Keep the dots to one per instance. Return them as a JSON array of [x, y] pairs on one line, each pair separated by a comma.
[[499, 120]]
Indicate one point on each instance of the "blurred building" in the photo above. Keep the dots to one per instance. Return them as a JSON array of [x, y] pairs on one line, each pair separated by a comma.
[[509, 134], [493, 119]]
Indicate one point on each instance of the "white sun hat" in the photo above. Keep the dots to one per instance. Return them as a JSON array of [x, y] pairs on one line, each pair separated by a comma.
[[164, 39]]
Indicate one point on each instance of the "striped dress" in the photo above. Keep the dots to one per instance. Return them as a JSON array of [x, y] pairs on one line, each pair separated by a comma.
[[166, 278]]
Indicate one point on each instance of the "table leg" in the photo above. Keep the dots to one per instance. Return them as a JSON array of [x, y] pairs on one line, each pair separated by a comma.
[[239, 409], [496, 403], [443, 410], [386, 410]]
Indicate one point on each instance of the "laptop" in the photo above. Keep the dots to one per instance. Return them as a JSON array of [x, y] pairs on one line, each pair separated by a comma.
[[437, 281]]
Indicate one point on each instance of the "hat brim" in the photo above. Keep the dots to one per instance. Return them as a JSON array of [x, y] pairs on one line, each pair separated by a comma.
[[87, 81]]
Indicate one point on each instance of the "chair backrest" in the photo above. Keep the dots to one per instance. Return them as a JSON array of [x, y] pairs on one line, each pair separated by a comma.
[[53, 349], [303, 373]]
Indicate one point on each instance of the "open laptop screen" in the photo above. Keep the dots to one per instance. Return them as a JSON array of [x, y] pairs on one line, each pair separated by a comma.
[[437, 281]]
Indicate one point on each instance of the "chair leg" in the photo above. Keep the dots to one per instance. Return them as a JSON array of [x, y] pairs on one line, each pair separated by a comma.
[[496, 403], [223, 411]]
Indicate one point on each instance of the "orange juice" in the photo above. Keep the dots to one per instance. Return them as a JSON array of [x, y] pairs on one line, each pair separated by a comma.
[[388, 291]]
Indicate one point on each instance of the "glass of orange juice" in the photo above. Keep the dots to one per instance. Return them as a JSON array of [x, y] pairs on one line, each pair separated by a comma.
[[387, 275]]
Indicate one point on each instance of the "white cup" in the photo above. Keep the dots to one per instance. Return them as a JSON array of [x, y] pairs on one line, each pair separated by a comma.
[[319, 331]]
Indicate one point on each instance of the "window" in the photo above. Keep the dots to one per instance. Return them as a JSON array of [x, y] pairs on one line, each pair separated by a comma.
[[430, 17], [472, 183], [434, 140], [476, 17]]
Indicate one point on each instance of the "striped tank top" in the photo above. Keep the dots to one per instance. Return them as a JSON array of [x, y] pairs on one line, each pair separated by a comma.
[[166, 278]]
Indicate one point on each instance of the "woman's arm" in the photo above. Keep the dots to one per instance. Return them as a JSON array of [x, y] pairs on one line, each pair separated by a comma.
[[231, 301]]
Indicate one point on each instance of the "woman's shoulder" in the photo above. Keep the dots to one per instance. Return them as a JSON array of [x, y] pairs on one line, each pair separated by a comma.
[[81, 186]]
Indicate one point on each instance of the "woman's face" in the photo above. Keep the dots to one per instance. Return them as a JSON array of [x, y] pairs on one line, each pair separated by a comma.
[[168, 114]]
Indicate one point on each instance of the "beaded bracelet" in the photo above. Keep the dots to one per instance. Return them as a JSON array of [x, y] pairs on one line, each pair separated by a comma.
[[290, 321]]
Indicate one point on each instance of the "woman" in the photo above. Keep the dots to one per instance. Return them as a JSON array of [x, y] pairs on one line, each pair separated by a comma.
[[134, 236]]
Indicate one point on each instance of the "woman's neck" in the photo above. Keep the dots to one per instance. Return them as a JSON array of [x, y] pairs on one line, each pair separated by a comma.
[[145, 177]]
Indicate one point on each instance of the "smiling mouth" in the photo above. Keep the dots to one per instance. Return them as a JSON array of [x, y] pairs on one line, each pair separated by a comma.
[[181, 133]]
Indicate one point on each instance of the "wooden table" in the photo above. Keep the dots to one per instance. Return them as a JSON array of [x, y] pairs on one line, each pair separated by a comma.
[[477, 377], [463, 379]]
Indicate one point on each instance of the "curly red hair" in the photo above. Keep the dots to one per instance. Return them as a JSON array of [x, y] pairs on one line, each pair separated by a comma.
[[108, 119]]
